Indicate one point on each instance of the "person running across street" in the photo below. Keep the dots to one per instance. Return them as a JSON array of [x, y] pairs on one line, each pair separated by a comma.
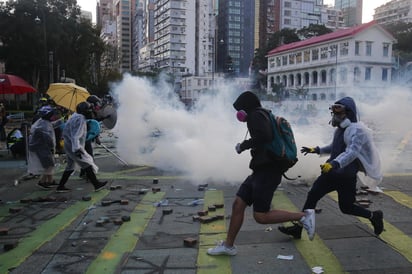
[[259, 187], [352, 150], [74, 135]]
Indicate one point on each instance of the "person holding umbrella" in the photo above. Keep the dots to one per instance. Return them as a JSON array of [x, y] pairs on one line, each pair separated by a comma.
[[74, 135]]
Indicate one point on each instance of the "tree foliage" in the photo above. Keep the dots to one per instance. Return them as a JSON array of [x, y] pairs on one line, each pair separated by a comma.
[[31, 31], [313, 30]]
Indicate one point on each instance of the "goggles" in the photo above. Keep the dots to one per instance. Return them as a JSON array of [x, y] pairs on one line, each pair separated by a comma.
[[337, 108]]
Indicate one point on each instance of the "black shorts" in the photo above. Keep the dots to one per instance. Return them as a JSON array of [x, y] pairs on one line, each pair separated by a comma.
[[259, 187]]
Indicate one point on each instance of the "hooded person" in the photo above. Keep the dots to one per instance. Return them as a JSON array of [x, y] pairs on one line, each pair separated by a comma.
[[352, 150], [259, 187], [74, 135], [42, 143]]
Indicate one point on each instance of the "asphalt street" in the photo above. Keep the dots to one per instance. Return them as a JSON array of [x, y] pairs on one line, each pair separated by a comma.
[[146, 221]]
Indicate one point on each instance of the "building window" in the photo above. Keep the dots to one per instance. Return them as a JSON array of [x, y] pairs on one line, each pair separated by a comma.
[[287, 5], [306, 56], [385, 49], [323, 77], [344, 49], [315, 54], [357, 47], [278, 61], [287, 13], [291, 80], [306, 78], [315, 78], [356, 74], [291, 59], [284, 60], [384, 74], [368, 73], [287, 21], [343, 73], [368, 48], [298, 57], [324, 53]]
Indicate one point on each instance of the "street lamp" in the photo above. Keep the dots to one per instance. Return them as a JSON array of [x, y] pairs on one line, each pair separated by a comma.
[[334, 50], [48, 56]]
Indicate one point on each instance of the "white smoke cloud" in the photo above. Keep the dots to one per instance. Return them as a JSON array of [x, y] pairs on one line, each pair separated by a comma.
[[154, 128]]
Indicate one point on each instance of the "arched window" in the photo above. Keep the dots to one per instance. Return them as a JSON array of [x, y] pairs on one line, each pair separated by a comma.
[[356, 74], [322, 96], [284, 80], [323, 77], [332, 76], [299, 79], [306, 79], [314, 97], [315, 78], [291, 80]]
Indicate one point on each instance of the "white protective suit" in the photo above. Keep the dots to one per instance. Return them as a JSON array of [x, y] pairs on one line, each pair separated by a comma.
[[359, 144], [42, 142], [74, 135]]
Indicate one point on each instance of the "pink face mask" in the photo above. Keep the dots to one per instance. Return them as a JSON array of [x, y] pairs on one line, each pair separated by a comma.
[[241, 115]]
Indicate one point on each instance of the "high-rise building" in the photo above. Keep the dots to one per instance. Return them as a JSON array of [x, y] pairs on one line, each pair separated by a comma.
[[394, 11], [236, 36], [352, 11]]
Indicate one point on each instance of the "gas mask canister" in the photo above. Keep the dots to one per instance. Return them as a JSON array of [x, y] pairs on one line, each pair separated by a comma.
[[338, 114], [241, 115]]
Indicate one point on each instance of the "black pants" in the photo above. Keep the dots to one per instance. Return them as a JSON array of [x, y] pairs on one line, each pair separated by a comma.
[[346, 188]]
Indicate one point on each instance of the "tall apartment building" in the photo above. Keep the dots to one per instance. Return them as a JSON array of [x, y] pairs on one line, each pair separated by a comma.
[[236, 36], [175, 35], [394, 11], [352, 11]]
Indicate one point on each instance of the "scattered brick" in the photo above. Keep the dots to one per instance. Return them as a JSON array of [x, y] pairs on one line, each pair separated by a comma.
[[124, 202], [26, 201], [4, 231], [155, 181], [220, 217], [86, 198], [10, 245], [142, 191], [206, 219], [106, 203], [219, 205], [100, 223], [167, 211], [211, 208], [195, 218], [202, 213], [318, 210], [155, 189], [126, 218], [15, 209], [112, 187], [118, 221], [189, 242]]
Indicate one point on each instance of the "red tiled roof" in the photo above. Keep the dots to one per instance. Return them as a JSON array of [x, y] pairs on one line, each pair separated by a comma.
[[323, 38]]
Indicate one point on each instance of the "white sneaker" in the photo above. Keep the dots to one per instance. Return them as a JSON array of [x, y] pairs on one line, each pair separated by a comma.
[[221, 249], [308, 222]]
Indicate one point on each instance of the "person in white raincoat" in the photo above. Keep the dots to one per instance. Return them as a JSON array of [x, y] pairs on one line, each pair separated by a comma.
[[42, 142], [74, 135], [352, 150]]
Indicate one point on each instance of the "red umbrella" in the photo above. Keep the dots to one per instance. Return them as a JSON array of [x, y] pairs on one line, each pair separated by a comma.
[[12, 84]]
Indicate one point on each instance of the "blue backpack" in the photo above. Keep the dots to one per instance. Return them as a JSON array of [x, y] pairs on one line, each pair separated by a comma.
[[283, 145]]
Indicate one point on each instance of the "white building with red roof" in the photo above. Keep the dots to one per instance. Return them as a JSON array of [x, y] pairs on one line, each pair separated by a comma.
[[361, 56]]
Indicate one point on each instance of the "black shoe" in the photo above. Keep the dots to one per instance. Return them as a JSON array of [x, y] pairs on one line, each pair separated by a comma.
[[54, 183], [377, 221], [295, 230], [62, 189], [99, 186], [44, 186]]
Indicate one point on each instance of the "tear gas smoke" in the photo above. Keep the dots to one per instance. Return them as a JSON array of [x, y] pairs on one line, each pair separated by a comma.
[[154, 128]]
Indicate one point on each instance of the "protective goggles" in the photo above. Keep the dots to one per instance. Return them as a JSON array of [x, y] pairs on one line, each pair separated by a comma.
[[337, 108]]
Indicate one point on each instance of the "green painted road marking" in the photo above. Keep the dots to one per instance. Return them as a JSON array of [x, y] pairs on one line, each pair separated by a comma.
[[45, 232], [394, 237], [127, 236], [209, 234], [113, 176], [315, 252], [399, 197]]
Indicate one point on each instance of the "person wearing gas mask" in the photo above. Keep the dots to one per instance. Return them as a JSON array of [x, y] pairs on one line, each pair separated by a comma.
[[74, 135], [259, 187], [352, 150]]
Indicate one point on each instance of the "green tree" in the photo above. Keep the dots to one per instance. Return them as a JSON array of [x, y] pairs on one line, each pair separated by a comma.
[[31, 31], [313, 30]]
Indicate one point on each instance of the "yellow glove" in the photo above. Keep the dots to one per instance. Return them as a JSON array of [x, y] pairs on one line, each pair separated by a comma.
[[326, 167]]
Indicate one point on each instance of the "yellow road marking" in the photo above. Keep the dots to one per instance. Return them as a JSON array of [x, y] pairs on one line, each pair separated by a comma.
[[399, 197], [126, 237], [394, 237], [209, 234], [45, 232], [315, 253]]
